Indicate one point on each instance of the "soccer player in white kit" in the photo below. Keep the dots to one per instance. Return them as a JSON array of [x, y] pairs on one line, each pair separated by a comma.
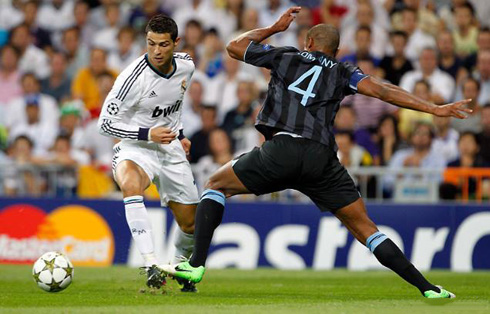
[[143, 109]]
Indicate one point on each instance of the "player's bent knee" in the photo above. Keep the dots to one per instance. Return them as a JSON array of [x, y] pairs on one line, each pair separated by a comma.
[[187, 228], [130, 188]]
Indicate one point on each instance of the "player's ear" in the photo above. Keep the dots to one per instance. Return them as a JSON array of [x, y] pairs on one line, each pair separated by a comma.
[[177, 41], [309, 44]]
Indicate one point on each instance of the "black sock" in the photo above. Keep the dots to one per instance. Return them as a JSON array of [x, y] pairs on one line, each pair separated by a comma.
[[208, 217], [389, 255]]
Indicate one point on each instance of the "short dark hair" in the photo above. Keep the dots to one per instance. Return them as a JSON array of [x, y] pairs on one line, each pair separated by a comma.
[[162, 24], [471, 79], [399, 33], [14, 49], [326, 37], [469, 133], [363, 28]]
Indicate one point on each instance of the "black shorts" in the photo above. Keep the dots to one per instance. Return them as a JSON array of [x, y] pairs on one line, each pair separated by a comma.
[[285, 162]]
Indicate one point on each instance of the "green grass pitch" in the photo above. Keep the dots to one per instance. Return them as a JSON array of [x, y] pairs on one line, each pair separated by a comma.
[[117, 290]]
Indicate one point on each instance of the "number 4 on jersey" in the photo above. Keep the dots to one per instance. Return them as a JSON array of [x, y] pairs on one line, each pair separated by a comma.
[[315, 71]]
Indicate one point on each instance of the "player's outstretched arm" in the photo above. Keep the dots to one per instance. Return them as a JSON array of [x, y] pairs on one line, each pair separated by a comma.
[[237, 47], [397, 96]]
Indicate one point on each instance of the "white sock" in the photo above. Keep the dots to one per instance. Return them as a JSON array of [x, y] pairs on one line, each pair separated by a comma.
[[140, 227], [184, 244]]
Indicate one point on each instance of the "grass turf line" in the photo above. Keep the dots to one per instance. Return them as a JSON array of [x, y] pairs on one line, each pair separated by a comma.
[[116, 290]]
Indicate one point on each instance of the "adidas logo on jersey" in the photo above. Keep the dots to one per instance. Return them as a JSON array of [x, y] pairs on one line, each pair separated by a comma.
[[152, 94]]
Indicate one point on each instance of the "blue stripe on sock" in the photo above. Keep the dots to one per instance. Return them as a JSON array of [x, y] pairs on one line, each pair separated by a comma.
[[133, 199], [214, 195], [374, 240]]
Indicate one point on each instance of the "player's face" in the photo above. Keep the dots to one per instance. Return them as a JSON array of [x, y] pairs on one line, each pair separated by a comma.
[[160, 48]]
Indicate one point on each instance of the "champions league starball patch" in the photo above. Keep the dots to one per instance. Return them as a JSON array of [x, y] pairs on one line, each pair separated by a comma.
[[266, 47], [112, 108]]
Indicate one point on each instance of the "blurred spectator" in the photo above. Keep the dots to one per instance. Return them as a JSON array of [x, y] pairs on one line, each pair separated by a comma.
[[99, 147], [446, 138], [85, 85], [76, 52], [107, 36], [419, 155], [220, 152], [127, 50], [469, 149], [140, 15], [35, 115], [222, 89], [200, 10], [18, 182], [346, 120], [408, 117], [466, 32], [10, 14], [228, 18], [211, 61], [191, 112], [199, 140], [329, 12], [55, 15], [446, 13], [236, 118], [62, 154], [32, 59], [363, 44], [193, 36], [42, 38], [81, 12], [247, 137], [365, 18], [483, 42], [58, 84], [71, 122], [448, 61], [417, 39], [483, 75], [368, 109], [10, 87], [471, 90], [442, 84], [349, 153], [392, 68], [468, 158], [97, 16], [388, 138], [484, 135]]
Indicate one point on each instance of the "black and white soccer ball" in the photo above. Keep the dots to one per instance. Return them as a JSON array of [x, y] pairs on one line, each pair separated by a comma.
[[53, 272]]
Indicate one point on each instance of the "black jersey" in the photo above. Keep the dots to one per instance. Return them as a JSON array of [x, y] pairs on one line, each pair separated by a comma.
[[304, 92]]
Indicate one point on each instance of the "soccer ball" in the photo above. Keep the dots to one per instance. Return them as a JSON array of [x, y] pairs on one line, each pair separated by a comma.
[[53, 272]]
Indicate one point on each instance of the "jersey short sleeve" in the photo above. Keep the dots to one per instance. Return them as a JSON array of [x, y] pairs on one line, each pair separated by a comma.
[[265, 55], [351, 77]]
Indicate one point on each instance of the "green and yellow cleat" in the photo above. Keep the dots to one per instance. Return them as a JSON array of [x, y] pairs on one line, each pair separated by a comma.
[[185, 271], [444, 294]]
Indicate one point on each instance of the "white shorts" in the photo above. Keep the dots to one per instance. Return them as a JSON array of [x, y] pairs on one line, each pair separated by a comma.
[[165, 165]]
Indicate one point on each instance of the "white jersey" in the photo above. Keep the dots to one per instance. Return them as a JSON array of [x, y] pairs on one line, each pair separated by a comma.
[[142, 98]]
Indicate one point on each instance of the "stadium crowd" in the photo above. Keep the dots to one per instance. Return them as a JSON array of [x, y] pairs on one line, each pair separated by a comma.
[[59, 59]]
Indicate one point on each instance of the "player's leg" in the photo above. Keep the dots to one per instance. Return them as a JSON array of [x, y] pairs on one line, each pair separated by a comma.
[[355, 219], [222, 184], [184, 215], [133, 181]]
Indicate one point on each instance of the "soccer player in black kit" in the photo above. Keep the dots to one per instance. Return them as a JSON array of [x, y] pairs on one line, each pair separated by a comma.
[[297, 117]]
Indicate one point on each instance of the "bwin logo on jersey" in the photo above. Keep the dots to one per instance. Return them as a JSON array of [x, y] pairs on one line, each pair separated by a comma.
[[166, 111]]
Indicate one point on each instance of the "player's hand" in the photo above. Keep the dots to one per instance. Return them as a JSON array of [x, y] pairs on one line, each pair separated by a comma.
[[456, 109], [162, 135], [186, 145], [286, 19]]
